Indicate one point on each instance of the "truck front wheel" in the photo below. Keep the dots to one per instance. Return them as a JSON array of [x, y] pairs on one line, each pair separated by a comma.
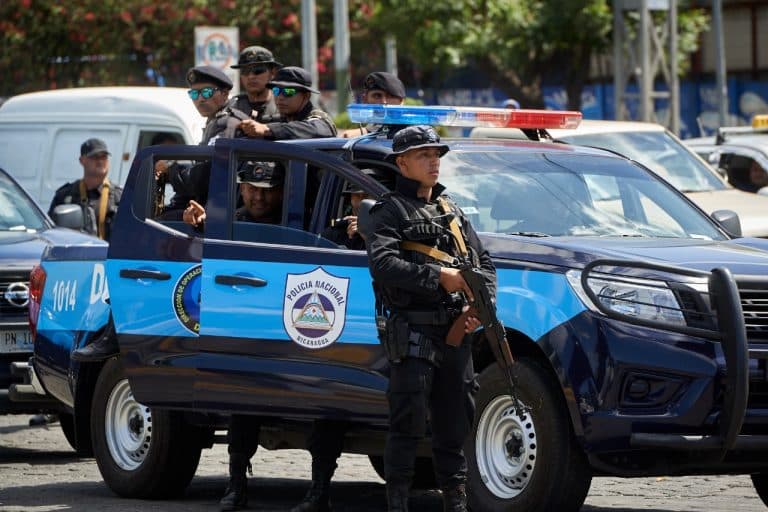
[[524, 462], [142, 452], [760, 481]]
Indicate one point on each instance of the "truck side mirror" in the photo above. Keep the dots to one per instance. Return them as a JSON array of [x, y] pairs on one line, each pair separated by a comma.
[[364, 221], [68, 216], [729, 221]]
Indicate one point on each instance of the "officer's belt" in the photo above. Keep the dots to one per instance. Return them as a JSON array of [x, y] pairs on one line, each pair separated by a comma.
[[439, 316], [421, 347]]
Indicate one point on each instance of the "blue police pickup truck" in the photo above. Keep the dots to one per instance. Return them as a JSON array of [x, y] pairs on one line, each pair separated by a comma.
[[639, 324]]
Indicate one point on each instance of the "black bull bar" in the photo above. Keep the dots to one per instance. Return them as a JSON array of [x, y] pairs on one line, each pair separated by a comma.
[[725, 301]]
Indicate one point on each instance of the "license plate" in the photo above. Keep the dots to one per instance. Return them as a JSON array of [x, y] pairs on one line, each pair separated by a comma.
[[15, 341]]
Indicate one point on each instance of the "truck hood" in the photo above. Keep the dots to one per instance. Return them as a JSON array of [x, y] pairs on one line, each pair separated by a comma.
[[22, 250], [742, 256], [752, 208]]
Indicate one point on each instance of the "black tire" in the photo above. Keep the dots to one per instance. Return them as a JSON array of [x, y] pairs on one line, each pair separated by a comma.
[[546, 472], [67, 422], [425, 471], [142, 452], [760, 481]]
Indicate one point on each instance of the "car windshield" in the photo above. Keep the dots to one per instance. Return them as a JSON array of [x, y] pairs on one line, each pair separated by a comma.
[[659, 152], [17, 212], [552, 194]]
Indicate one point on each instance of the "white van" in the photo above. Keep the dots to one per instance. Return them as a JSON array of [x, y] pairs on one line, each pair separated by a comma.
[[41, 132]]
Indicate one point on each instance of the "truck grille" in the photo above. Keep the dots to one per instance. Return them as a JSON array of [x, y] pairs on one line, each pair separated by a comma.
[[14, 295], [754, 304]]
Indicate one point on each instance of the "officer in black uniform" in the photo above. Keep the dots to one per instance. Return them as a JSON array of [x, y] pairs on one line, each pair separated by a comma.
[[299, 118], [99, 199], [379, 88], [420, 299], [257, 67]]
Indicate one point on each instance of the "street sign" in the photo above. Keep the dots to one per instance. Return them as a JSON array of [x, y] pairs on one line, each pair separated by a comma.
[[219, 47]]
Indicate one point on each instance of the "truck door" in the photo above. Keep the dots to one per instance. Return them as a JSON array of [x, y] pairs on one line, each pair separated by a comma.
[[286, 323], [154, 274]]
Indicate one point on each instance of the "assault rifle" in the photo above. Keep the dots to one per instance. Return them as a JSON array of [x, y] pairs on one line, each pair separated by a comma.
[[494, 330]]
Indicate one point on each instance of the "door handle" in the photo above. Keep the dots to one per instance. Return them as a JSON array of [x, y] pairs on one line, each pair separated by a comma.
[[242, 280], [135, 273]]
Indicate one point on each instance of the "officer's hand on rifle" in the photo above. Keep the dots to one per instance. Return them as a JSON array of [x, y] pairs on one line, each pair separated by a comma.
[[471, 322], [452, 281]]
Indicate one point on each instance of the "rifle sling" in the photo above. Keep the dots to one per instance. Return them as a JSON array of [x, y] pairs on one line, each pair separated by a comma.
[[103, 203], [434, 252]]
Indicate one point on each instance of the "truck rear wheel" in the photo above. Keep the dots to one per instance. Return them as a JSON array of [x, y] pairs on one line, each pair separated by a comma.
[[760, 481], [142, 452], [524, 462]]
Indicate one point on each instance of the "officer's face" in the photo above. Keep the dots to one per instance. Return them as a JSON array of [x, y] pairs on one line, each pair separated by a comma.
[[291, 106], [379, 97], [421, 164], [96, 166], [209, 106], [254, 79], [355, 199], [261, 203]]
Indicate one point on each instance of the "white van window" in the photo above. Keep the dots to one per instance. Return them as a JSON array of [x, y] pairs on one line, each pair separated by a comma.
[[19, 163]]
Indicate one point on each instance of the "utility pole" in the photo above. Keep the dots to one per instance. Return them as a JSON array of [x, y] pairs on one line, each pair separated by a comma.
[[722, 84], [390, 54], [341, 53], [309, 38], [644, 55]]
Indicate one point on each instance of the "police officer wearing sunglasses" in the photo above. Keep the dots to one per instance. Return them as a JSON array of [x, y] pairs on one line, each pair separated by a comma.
[[299, 118], [209, 90], [257, 67]]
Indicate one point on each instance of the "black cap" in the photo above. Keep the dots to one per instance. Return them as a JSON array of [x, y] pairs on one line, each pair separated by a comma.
[[383, 177], [413, 137], [293, 76], [254, 55], [210, 74], [93, 147], [383, 81], [261, 174]]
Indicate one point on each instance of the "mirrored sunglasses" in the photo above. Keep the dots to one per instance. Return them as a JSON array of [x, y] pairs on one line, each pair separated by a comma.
[[288, 92], [255, 70], [205, 92]]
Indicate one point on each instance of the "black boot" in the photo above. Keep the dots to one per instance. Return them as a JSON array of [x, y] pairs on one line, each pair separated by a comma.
[[318, 495], [455, 498], [99, 350], [397, 497], [236, 495]]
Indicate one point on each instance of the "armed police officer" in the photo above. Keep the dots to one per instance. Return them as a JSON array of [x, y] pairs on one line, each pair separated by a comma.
[[379, 88], [416, 239], [299, 118], [257, 67]]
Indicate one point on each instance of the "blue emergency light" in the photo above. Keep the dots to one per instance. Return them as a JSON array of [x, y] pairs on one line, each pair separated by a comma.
[[440, 115]]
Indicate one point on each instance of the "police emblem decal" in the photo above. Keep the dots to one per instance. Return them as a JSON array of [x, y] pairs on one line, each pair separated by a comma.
[[315, 307], [186, 298]]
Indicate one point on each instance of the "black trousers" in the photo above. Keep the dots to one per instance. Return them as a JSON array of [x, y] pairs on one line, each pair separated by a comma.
[[243, 435], [447, 393], [325, 443]]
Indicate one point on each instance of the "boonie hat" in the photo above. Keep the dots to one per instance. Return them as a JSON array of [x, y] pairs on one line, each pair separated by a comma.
[[383, 81], [254, 55], [208, 74], [413, 137], [93, 147], [261, 174], [293, 76]]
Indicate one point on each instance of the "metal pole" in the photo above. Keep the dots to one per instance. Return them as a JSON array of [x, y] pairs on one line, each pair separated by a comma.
[[674, 82], [309, 38], [341, 53], [390, 54], [618, 60], [722, 86], [646, 75]]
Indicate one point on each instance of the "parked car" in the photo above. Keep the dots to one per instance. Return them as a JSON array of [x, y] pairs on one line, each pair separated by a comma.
[[25, 230], [41, 132], [661, 151], [734, 150], [637, 321]]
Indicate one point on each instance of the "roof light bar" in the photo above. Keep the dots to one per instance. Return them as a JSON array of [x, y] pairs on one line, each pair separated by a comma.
[[462, 116]]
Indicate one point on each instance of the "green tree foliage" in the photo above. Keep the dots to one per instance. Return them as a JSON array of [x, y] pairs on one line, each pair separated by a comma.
[[54, 43]]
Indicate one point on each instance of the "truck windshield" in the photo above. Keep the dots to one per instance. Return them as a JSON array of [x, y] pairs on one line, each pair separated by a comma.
[[17, 212], [661, 153], [569, 194]]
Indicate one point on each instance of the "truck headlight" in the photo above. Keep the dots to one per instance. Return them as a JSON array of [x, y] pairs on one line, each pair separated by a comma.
[[644, 299]]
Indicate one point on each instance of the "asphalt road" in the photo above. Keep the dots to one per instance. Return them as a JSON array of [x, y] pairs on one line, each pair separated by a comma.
[[40, 473]]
